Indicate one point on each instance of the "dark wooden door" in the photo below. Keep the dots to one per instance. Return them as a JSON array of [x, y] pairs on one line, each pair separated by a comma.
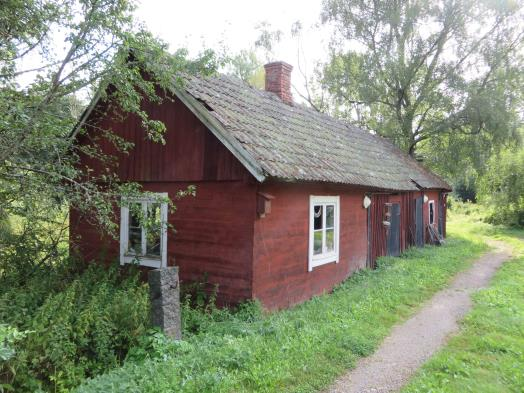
[[393, 236], [441, 216], [419, 222]]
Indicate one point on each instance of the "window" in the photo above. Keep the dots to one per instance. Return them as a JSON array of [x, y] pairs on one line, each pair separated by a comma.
[[323, 230], [143, 231], [431, 207]]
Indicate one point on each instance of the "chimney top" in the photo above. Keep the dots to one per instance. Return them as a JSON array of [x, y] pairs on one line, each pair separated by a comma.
[[278, 80]]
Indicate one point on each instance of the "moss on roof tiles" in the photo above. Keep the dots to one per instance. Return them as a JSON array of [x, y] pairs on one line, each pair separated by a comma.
[[298, 143]]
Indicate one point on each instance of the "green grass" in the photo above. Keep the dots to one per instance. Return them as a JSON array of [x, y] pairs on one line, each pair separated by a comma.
[[488, 354], [305, 348]]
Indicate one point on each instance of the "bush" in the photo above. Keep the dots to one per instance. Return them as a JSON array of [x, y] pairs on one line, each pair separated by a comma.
[[80, 324], [465, 187], [502, 188]]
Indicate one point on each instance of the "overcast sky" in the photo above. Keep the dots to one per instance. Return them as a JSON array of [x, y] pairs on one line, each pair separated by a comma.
[[214, 24]]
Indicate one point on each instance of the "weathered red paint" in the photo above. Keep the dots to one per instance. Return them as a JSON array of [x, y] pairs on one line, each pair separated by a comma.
[[190, 153], [280, 262], [221, 232], [214, 230]]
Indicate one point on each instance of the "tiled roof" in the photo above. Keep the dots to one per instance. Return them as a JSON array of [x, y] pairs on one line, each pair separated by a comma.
[[297, 143]]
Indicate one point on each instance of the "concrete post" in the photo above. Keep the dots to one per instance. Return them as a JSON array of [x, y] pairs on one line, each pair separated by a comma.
[[164, 292]]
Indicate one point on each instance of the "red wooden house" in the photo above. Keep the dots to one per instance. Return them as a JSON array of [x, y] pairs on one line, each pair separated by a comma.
[[289, 202]]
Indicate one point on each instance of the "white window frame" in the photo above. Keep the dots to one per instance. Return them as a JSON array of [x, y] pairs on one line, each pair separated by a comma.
[[124, 232], [327, 257], [431, 203]]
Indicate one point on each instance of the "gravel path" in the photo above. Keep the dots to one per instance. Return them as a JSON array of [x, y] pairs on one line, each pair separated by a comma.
[[413, 342]]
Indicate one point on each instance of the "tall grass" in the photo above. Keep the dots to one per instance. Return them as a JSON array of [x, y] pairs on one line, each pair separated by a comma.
[[302, 349]]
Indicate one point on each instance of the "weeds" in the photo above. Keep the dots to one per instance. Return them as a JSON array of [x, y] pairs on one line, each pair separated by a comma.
[[77, 325], [301, 349]]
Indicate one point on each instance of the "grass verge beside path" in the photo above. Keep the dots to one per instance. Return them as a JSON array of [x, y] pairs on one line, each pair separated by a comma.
[[305, 348], [488, 354]]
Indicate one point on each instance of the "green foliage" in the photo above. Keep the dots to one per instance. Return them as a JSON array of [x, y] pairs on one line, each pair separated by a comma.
[[502, 188], [8, 337], [487, 354], [465, 187], [55, 56], [438, 78], [301, 349], [79, 324], [246, 66]]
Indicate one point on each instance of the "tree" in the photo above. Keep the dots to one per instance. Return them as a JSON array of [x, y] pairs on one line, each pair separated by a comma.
[[246, 66], [54, 55], [502, 188], [421, 71]]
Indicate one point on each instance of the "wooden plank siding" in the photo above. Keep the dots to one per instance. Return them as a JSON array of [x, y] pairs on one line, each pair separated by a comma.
[[218, 232], [407, 223], [190, 153], [214, 230], [280, 274]]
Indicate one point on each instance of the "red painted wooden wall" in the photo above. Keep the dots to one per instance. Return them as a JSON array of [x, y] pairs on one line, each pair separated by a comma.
[[218, 232], [214, 230], [280, 274]]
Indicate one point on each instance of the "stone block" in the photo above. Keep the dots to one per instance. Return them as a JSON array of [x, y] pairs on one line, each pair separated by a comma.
[[164, 292]]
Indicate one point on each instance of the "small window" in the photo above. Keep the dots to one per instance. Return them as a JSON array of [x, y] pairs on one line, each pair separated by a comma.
[[431, 212], [323, 230], [143, 231]]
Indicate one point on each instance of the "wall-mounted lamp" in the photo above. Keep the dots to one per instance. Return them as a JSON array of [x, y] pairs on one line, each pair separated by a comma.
[[426, 199], [366, 202]]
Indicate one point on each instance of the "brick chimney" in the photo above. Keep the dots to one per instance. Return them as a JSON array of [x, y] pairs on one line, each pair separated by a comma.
[[278, 80]]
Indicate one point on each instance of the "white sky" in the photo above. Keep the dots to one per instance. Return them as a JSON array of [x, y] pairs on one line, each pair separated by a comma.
[[199, 24]]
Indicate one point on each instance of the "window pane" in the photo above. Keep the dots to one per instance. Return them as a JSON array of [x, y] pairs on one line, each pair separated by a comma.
[[330, 216], [330, 240], [134, 244], [317, 243], [134, 215], [318, 210], [153, 229]]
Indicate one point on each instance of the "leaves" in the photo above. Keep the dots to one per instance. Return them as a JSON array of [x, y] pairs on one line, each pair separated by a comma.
[[72, 325], [427, 73], [300, 349], [502, 188], [55, 57]]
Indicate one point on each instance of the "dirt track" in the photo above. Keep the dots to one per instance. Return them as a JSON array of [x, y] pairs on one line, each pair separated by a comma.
[[413, 342]]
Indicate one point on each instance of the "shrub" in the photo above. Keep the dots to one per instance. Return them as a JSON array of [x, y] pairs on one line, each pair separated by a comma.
[[80, 323], [8, 337], [502, 188], [465, 187]]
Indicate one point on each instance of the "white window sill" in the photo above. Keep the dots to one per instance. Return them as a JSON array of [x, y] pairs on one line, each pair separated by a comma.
[[141, 261], [322, 260]]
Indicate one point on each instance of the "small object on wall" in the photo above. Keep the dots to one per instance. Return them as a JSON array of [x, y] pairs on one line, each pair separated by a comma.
[[164, 292], [366, 202], [426, 199], [264, 204]]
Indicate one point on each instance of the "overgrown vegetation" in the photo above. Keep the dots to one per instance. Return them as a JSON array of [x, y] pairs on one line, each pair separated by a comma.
[[301, 349], [502, 188], [487, 355], [65, 324], [55, 56]]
